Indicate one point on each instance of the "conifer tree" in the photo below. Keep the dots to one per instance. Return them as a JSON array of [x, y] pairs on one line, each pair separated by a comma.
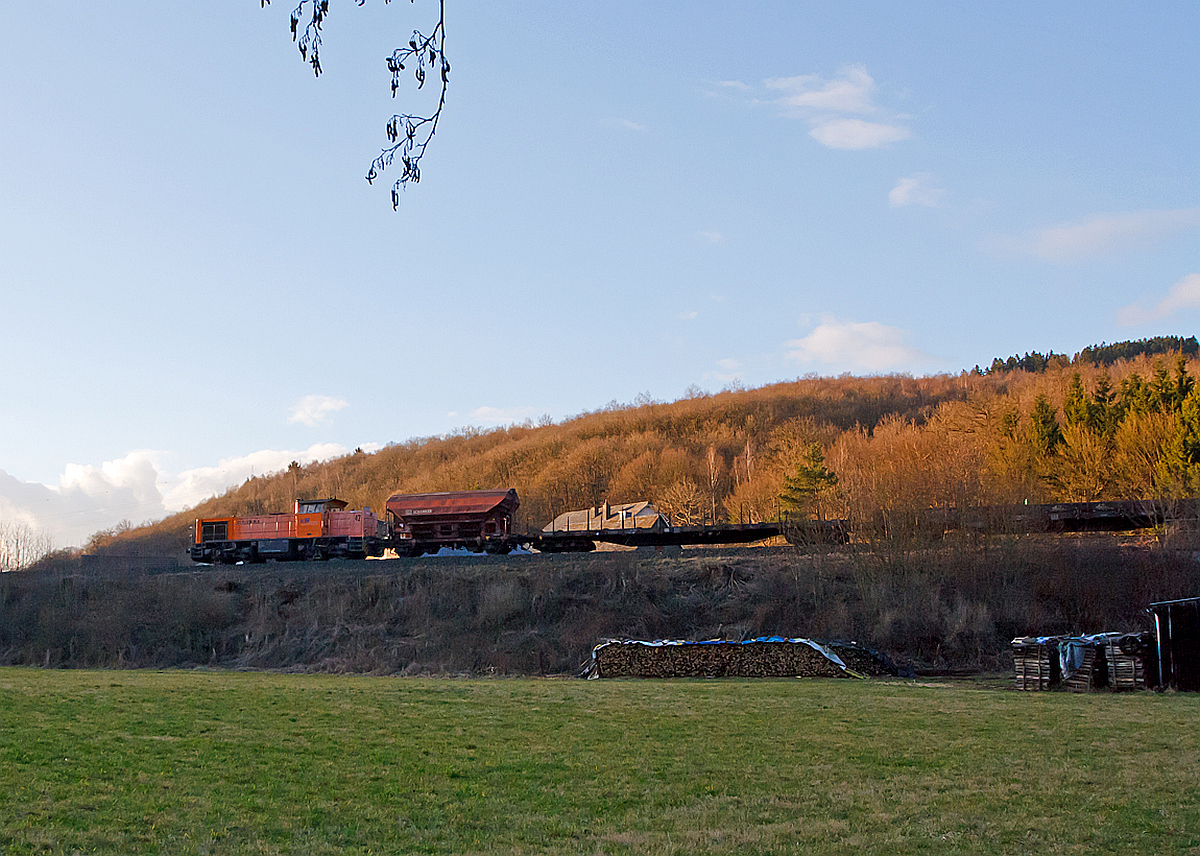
[[1135, 395], [1105, 415], [1179, 468], [1045, 433], [1075, 407], [803, 486], [1183, 381], [1162, 389]]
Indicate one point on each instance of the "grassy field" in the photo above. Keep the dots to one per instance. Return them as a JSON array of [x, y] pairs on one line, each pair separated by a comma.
[[216, 762]]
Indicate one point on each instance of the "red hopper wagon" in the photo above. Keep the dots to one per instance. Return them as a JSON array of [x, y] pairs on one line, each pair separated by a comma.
[[476, 520]]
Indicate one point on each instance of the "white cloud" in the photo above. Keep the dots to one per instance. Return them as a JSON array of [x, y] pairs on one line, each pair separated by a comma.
[[856, 134], [711, 236], [916, 190], [1101, 235], [87, 498], [194, 486], [730, 371], [314, 409], [628, 124], [1183, 295], [857, 346], [834, 107], [690, 315], [850, 92], [503, 415]]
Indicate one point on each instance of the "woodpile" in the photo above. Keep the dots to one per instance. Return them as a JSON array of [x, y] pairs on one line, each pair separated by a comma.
[[770, 657], [863, 660], [1036, 662]]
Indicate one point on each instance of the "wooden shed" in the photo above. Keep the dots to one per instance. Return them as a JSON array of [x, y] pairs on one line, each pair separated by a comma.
[[1177, 642]]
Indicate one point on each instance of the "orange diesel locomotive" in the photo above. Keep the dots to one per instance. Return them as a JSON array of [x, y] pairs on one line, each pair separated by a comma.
[[317, 529]]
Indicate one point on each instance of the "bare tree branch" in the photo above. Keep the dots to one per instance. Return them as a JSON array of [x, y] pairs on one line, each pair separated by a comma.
[[408, 133]]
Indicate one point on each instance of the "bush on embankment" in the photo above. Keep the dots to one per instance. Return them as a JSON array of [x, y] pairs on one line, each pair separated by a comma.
[[953, 606]]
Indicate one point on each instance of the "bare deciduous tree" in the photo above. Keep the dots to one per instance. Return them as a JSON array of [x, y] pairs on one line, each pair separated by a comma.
[[683, 503], [21, 546]]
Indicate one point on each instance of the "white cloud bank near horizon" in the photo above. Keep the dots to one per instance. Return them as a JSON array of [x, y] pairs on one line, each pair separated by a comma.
[[137, 488]]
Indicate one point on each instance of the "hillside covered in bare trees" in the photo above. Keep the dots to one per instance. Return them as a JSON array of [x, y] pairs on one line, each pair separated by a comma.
[[868, 450]]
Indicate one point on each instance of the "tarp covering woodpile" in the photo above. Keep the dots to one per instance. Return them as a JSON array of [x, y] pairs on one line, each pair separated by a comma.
[[1082, 661], [765, 657], [864, 660]]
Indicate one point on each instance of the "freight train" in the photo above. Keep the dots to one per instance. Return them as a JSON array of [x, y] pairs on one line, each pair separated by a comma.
[[481, 521], [478, 520]]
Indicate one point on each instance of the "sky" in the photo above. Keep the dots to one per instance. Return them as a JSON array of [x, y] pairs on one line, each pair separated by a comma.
[[622, 199]]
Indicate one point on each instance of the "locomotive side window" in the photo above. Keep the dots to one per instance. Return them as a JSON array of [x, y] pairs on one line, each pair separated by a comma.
[[217, 531]]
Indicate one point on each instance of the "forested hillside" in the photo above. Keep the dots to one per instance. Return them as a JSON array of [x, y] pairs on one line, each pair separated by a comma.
[[864, 449], [878, 452]]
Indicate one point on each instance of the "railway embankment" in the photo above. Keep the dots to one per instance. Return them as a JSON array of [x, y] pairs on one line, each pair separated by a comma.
[[950, 606]]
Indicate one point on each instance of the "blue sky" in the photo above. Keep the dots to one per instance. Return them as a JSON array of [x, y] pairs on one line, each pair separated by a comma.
[[623, 198]]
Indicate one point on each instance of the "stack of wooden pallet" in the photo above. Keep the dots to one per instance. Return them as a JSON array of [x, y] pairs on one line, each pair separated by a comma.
[[1087, 672], [1036, 662], [1128, 657], [758, 658]]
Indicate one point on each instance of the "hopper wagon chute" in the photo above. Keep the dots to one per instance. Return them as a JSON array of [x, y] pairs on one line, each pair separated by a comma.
[[476, 520]]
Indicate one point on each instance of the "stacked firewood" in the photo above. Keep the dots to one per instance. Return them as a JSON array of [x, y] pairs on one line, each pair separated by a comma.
[[759, 658]]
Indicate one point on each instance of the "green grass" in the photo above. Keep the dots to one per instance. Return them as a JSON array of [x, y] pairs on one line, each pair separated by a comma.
[[214, 763]]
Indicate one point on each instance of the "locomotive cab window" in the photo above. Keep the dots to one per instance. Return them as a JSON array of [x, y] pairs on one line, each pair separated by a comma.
[[214, 531]]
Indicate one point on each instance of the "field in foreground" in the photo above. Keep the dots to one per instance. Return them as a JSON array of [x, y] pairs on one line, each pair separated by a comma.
[[219, 762]]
